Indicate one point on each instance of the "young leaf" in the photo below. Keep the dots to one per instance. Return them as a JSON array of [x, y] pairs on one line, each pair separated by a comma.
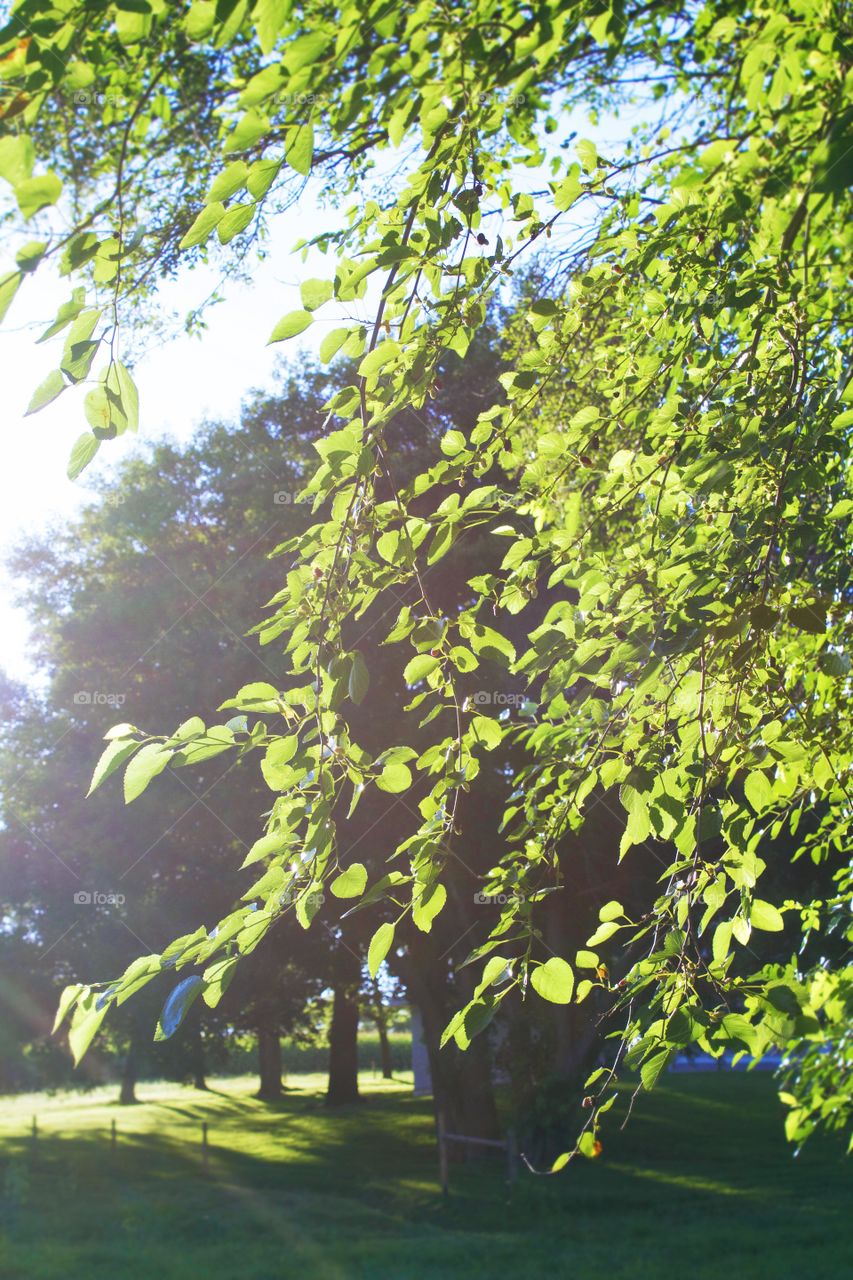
[[82, 453], [359, 678], [46, 392], [553, 980], [299, 149], [118, 750], [351, 882], [380, 945], [290, 325], [150, 760], [205, 223]]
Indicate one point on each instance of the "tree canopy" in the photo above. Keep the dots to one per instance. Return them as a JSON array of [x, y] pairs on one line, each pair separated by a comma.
[[665, 471]]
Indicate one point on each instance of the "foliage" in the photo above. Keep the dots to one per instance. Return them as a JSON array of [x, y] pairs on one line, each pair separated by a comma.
[[668, 468]]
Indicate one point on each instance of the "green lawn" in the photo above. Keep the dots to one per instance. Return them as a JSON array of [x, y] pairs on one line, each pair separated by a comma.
[[700, 1185]]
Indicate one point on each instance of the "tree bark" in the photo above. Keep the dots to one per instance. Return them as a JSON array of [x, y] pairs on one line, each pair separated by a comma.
[[343, 1032], [380, 1018], [269, 1063], [197, 1059], [384, 1047], [461, 1082], [127, 1092]]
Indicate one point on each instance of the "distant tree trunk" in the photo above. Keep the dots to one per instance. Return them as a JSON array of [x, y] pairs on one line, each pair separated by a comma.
[[380, 1017], [197, 1058], [269, 1063], [384, 1047], [343, 1032], [129, 1067]]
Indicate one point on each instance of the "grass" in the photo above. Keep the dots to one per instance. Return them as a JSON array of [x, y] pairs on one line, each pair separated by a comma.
[[701, 1185]]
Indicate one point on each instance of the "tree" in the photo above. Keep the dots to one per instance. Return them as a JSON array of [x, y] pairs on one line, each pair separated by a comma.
[[174, 609], [670, 457]]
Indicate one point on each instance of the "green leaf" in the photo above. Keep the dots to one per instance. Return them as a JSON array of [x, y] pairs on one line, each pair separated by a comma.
[[654, 1066], [34, 194], [249, 130], [9, 286], [217, 979], [46, 392], [490, 644], [419, 667], [236, 219], [305, 50], [351, 882], [314, 293], [147, 764], [587, 153], [227, 183], [274, 766], [299, 149], [117, 751], [291, 324], [253, 697], [30, 255], [380, 945], [84, 1025], [272, 842], [378, 358], [17, 157], [395, 777], [359, 678], [763, 915], [82, 453], [554, 980], [123, 396], [332, 344], [269, 17], [602, 933], [487, 731], [427, 902], [809, 617], [758, 791], [611, 911], [66, 1000], [205, 224]]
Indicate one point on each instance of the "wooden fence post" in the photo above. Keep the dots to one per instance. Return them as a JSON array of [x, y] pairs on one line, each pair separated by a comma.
[[442, 1153], [113, 1138], [204, 1146]]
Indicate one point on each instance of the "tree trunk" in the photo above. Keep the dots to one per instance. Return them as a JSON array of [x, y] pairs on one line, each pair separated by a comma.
[[384, 1046], [269, 1063], [380, 1018], [461, 1082], [197, 1058], [127, 1092], [343, 1032]]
